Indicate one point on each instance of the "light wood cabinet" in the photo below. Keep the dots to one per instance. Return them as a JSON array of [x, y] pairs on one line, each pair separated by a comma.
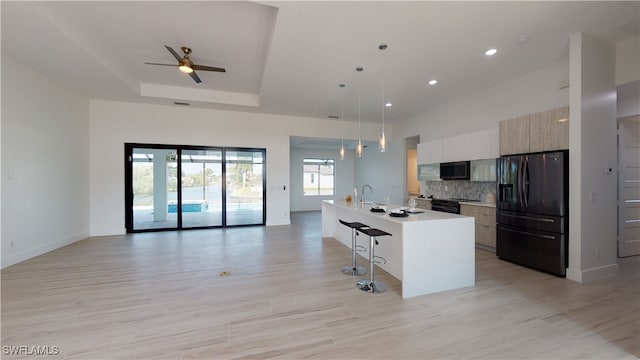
[[549, 130], [485, 219], [423, 204], [543, 131], [514, 135]]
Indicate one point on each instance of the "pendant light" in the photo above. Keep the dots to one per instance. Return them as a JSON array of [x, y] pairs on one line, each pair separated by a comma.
[[342, 122], [382, 141], [359, 144]]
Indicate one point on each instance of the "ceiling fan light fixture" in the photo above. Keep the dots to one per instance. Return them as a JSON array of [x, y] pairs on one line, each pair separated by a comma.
[[185, 67]]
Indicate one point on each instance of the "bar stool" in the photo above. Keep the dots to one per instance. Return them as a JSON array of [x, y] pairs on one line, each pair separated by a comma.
[[354, 269], [371, 285]]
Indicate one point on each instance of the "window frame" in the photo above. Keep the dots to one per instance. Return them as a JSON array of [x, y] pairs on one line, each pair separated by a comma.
[[316, 161]]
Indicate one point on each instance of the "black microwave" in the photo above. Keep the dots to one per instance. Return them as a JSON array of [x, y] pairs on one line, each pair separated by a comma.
[[458, 170]]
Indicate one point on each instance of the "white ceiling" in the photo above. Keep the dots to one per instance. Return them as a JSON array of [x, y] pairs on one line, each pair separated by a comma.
[[289, 57]]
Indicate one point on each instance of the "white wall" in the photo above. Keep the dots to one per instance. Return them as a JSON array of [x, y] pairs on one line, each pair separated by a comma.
[[592, 148], [115, 123], [45, 164], [344, 177], [383, 171], [530, 93], [628, 61]]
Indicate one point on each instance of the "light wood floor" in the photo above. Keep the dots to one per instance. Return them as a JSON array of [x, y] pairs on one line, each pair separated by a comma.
[[160, 295]]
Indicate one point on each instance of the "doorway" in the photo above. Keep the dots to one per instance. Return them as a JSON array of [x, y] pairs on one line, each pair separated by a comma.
[[412, 183], [217, 187], [629, 186]]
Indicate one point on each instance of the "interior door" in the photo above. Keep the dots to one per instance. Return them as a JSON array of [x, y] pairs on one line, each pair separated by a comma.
[[629, 186]]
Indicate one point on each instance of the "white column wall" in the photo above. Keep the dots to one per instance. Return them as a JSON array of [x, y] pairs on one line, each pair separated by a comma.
[[115, 123], [628, 61], [45, 164], [592, 150]]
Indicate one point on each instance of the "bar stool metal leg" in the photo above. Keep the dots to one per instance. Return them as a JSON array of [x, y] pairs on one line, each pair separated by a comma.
[[354, 269], [371, 285]]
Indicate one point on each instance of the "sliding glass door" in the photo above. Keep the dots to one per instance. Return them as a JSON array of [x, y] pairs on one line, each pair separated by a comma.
[[245, 187], [217, 187], [153, 188], [201, 187]]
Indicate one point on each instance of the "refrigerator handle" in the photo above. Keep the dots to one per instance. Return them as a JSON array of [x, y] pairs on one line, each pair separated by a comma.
[[519, 183], [525, 182]]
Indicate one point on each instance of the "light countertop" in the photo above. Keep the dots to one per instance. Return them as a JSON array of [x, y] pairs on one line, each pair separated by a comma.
[[427, 215]]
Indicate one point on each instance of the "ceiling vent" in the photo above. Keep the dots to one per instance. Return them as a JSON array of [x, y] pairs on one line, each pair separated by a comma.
[[631, 27]]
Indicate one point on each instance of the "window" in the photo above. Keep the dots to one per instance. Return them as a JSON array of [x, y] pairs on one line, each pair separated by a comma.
[[318, 177]]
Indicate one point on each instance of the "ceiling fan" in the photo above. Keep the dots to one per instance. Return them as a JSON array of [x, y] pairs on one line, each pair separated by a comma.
[[186, 65]]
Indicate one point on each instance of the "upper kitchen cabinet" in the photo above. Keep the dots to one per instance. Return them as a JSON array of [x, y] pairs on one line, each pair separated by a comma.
[[456, 148], [483, 170], [543, 131], [514, 136], [485, 144], [430, 152], [429, 172], [471, 146], [549, 130]]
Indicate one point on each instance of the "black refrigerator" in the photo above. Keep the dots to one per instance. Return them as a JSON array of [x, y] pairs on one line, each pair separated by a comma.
[[532, 210]]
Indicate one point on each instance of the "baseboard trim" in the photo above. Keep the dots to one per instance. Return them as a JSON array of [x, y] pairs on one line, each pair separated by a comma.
[[39, 250], [108, 231], [597, 273]]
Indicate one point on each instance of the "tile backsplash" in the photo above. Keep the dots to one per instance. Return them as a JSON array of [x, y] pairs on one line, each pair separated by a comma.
[[473, 190]]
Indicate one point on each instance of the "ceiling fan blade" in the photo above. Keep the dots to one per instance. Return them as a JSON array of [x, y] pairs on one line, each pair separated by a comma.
[[195, 77], [208, 68], [175, 54], [148, 63]]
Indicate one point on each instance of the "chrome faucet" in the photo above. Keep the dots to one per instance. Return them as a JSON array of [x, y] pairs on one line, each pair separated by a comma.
[[364, 187]]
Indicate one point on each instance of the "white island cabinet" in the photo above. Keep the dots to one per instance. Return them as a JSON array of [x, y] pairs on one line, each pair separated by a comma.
[[428, 252]]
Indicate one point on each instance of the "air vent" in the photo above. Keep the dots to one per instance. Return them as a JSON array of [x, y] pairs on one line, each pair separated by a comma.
[[631, 27], [181, 103]]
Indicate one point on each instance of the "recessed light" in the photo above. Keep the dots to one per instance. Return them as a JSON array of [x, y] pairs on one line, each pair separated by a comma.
[[388, 104], [433, 82], [563, 120], [491, 52]]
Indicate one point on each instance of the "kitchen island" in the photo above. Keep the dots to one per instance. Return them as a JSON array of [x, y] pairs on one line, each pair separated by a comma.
[[428, 252]]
